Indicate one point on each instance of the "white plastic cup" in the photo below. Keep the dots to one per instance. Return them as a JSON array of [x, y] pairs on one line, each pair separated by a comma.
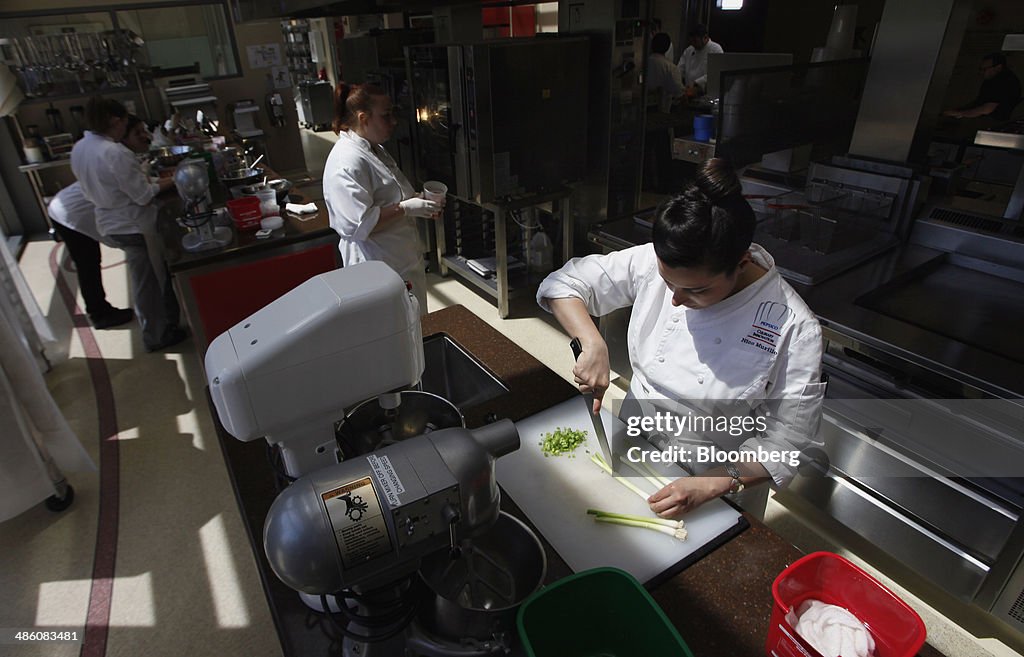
[[435, 190]]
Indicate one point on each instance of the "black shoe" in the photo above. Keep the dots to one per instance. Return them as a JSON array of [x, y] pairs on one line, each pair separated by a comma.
[[172, 336], [111, 318]]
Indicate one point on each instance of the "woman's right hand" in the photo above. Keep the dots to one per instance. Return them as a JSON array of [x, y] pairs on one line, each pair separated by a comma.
[[592, 370], [419, 207]]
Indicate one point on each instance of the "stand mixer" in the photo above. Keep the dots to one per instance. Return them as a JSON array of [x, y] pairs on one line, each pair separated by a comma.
[[193, 183], [404, 546]]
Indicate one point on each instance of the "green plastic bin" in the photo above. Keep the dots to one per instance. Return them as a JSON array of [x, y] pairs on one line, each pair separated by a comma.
[[602, 612]]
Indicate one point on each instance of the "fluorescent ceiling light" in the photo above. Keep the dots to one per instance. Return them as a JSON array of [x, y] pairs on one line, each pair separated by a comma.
[[730, 4]]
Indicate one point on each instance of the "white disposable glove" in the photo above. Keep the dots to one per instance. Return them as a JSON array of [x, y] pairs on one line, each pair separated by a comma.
[[419, 207]]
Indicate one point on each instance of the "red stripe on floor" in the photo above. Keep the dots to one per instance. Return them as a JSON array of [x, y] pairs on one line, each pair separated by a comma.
[[97, 622]]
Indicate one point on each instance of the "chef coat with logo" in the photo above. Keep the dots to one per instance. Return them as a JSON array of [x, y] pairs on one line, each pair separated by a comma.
[[360, 179], [113, 181], [762, 344]]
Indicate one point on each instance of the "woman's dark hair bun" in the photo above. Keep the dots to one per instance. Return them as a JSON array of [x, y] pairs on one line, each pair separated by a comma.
[[718, 180]]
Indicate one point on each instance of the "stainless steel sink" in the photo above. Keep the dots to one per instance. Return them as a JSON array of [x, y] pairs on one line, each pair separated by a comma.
[[451, 372]]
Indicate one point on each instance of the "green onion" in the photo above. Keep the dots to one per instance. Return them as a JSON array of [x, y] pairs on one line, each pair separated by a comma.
[[674, 524], [679, 534], [662, 479], [651, 479], [596, 458], [561, 441]]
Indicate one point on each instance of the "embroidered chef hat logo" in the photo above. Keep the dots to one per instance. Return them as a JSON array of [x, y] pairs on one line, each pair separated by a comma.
[[766, 328]]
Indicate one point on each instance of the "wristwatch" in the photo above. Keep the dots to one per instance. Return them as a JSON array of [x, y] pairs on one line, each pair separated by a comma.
[[737, 483]]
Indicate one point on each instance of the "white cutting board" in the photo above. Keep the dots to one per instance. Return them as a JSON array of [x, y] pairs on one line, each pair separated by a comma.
[[555, 492]]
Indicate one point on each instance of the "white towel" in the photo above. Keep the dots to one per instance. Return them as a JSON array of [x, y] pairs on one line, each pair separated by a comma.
[[300, 209], [833, 631]]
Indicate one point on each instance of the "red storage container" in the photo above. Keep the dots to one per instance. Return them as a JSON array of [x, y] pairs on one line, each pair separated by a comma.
[[245, 212], [896, 628]]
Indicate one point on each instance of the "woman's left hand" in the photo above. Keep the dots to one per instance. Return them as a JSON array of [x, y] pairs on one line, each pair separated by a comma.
[[686, 494]]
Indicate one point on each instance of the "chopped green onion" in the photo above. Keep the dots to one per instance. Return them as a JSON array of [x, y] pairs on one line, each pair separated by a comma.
[[561, 441]]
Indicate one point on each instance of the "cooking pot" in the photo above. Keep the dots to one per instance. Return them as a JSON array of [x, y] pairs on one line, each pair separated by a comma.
[[242, 176], [370, 426], [477, 593]]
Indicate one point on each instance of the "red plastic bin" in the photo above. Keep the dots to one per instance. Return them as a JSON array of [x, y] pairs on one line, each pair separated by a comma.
[[897, 629], [245, 212]]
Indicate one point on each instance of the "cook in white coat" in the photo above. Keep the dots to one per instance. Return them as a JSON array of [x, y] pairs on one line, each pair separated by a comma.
[[693, 64], [662, 74], [74, 220], [711, 319], [113, 181], [370, 202]]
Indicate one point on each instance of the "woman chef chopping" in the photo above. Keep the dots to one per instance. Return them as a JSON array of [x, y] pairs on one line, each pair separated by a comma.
[[711, 319], [370, 202]]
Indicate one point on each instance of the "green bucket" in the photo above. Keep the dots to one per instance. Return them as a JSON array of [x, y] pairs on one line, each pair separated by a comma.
[[602, 612]]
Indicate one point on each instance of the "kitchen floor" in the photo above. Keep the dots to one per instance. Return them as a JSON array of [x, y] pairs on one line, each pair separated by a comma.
[[152, 552]]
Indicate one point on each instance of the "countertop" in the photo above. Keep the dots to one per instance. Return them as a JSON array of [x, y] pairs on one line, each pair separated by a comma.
[[296, 229], [721, 604]]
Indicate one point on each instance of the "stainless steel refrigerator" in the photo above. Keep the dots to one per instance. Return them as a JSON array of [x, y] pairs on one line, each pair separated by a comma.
[[500, 118]]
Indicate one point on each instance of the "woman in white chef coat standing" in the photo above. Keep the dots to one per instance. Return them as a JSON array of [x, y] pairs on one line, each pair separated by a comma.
[[113, 181], [370, 202], [711, 319]]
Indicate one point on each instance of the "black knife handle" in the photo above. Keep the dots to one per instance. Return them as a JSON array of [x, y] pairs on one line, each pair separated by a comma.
[[577, 348]]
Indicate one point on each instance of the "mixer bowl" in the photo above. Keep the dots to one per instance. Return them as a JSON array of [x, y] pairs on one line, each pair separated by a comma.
[[191, 178], [478, 594]]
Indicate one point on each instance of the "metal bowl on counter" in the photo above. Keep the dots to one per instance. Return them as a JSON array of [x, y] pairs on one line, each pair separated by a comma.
[[169, 156], [242, 176]]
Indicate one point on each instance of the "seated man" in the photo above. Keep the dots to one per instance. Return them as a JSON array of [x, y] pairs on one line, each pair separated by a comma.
[[998, 95]]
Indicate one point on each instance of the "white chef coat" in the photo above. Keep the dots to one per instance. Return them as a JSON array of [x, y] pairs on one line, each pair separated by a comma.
[[693, 65], [113, 181], [762, 344], [662, 74], [359, 180], [70, 208]]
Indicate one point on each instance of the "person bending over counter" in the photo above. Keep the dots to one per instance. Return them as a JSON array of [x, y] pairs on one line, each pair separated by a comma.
[[113, 181], [711, 319], [370, 203]]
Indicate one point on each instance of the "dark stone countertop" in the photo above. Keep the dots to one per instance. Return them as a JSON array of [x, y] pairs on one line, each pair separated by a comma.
[[721, 604], [296, 229]]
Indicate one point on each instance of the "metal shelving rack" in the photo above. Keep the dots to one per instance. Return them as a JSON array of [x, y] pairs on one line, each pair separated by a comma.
[[502, 284]]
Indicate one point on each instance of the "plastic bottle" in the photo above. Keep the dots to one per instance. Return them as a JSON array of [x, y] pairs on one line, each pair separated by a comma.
[[542, 253]]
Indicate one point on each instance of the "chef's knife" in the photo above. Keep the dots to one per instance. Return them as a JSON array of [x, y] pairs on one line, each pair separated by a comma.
[[595, 418]]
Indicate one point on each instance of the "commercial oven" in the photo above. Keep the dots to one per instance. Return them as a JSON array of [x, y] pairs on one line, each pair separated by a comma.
[[500, 118]]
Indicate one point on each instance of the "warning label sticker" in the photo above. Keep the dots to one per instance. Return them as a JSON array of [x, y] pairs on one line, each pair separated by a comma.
[[358, 522], [388, 479]]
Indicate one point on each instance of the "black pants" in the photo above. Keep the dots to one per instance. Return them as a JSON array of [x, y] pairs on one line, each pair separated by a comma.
[[85, 253]]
